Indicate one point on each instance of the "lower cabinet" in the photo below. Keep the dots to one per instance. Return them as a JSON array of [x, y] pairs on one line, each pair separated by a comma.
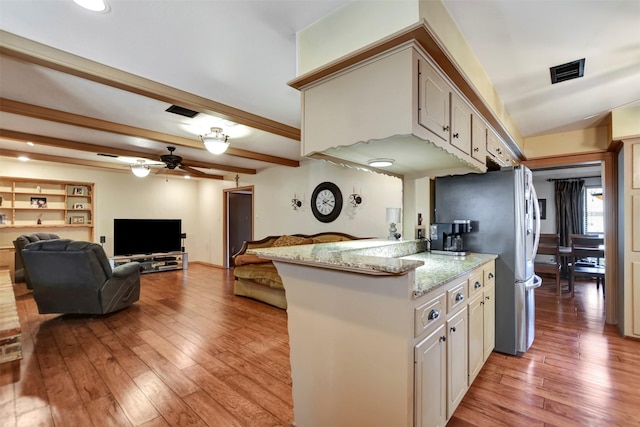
[[456, 360], [454, 346], [431, 380]]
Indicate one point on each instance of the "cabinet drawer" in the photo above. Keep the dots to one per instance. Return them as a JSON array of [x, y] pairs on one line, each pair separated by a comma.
[[489, 274], [457, 296], [428, 314], [476, 282]]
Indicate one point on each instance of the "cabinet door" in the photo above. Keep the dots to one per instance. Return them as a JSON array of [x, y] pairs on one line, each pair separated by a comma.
[[460, 124], [433, 101], [489, 315], [457, 367], [478, 139], [476, 337], [430, 380]]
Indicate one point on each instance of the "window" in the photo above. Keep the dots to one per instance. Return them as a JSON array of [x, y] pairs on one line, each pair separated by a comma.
[[593, 210]]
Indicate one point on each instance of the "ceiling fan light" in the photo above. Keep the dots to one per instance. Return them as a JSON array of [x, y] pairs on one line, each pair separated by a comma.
[[215, 142], [93, 5], [140, 169]]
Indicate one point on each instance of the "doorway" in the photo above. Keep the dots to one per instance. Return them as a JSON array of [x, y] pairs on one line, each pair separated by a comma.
[[608, 167], [238, 220]]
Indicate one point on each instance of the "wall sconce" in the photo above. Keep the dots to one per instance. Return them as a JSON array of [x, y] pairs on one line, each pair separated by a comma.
[[355, 199], [393, 218], [295, 202]]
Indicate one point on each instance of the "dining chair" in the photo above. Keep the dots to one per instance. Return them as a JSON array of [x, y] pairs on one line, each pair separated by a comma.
[[584, 248], [550, 264]]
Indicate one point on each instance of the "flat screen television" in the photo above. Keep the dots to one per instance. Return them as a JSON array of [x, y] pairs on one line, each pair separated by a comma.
[[146, 236]]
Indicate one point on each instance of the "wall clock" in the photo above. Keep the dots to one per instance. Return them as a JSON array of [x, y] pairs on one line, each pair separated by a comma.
[[326, 202]]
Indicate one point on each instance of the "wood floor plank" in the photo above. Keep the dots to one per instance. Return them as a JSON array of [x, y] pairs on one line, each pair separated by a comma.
[[213, 413], [173, 409], [190, 352], [248, 412], [168, 373]]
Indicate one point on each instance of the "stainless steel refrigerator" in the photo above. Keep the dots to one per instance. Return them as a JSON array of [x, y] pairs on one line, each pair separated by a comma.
[[503, 209]]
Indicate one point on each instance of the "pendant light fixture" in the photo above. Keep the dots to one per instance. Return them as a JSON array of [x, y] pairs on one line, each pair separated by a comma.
[[140, 169], [215, 142]]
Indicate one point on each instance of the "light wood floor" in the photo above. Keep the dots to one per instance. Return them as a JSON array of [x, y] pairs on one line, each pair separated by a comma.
[[190, 353]]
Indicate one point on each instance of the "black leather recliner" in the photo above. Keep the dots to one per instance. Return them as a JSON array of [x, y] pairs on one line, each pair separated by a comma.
[[21, 274], [75, 277]]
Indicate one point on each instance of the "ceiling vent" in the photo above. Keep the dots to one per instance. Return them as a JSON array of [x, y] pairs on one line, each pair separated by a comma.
[[175, 109], [568, 71]]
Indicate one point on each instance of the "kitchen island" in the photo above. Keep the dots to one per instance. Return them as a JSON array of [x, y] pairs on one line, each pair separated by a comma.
[[380, 331]]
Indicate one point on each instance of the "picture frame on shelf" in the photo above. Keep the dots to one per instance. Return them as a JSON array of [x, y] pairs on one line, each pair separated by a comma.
[[78, 206], [76, 220], [38, 202], [78, 191], [3, 219]]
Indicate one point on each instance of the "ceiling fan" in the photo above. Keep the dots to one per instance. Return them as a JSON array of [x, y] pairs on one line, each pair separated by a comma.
[[169, 161]]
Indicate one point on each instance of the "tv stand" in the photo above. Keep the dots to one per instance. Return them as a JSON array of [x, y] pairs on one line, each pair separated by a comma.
[[153, 263]]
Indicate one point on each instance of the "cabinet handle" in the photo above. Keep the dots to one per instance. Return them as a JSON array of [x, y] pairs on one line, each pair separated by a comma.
[[443, 338], [477, 285], [445, 128], [433, 314], [453, 329], [481, 302], [456, 135], [487, 297], [459, 297], [491, 276], [475, 150]]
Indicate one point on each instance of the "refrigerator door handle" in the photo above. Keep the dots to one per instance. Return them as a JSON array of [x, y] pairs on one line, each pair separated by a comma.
[[535, 283], [536, 208]]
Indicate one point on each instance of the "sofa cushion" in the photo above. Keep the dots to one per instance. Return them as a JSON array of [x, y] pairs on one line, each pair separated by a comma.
[[264, 274], [291, 241], [245, 259]]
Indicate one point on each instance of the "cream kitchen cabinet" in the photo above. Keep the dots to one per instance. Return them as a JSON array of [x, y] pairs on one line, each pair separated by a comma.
[[431, 380], [442, 111], [478, 138], [457, 357], [461, 125], [396, 105], [481, 319], [458, 338]]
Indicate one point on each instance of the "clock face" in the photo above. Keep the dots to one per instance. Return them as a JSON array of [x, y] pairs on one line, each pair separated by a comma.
[[326, 202]]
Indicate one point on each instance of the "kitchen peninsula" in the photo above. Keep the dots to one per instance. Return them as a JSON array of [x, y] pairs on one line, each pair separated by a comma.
[[383, 333]]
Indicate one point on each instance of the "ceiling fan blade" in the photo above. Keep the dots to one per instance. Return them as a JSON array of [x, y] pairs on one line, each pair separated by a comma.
[[192, 171]]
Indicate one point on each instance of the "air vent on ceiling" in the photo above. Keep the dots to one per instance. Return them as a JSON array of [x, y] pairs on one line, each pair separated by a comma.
[[568, 71], [107, 155], [175, 109]]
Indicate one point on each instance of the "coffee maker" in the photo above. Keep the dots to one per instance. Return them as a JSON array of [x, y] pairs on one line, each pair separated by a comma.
[[446, 237]]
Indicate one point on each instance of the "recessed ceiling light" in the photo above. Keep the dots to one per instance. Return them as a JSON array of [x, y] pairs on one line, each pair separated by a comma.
[[380, 163], [187, 177], [93, 5], [30, 144], [23, 158]]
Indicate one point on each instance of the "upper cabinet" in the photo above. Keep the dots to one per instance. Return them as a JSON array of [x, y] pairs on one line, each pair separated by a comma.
[[395, 106]]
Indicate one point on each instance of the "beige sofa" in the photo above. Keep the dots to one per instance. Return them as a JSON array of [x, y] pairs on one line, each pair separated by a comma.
[[258, 278]]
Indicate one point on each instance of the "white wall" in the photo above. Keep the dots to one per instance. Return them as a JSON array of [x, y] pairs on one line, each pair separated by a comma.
[[275, 187], [200, 206]]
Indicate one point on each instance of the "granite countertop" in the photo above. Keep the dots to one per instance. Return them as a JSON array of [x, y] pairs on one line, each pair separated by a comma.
[[380, 257], [438, 270]]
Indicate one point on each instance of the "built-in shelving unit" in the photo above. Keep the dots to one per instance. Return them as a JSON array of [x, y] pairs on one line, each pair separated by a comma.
[[42, 205], [155, 262]]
